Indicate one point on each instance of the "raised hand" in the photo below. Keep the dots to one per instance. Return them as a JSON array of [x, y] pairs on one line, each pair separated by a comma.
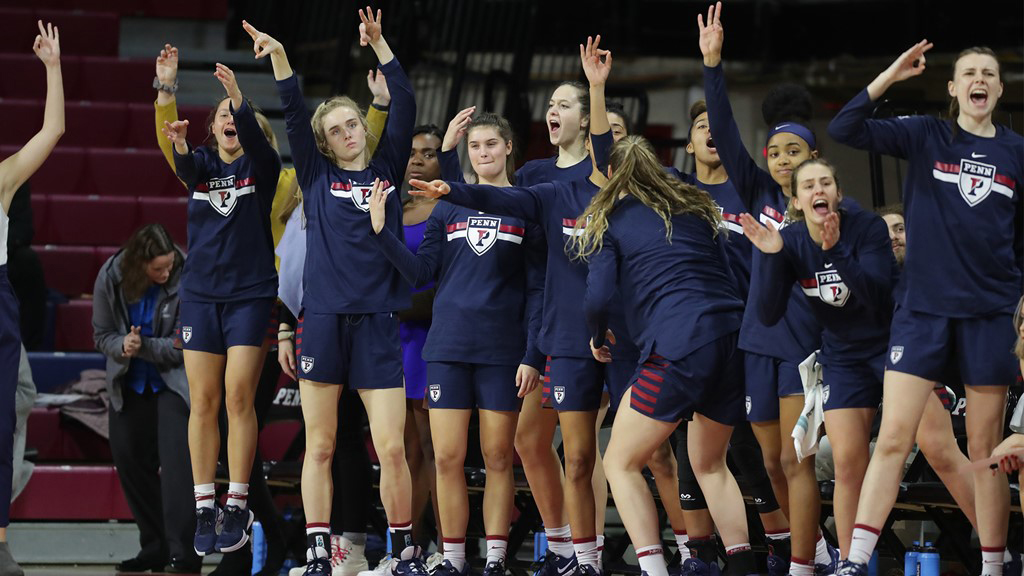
[[378, 86], [167, 65], [263, 44], [766, 238], [433, 190], [227, 79], [175, 132], [596, 69], [603, 354], [378, 203], [47, 44], [369, 28], [830, 231], [712, 35], [910, 63], [457, 129], [527, 379]]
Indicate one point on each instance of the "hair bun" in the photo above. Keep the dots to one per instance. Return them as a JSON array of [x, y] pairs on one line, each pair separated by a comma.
[[787, 102]]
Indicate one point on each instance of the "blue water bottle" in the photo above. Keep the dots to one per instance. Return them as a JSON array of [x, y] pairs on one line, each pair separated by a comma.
[[873, 564], [540, 545], [259, 547], [910, 560], [929, 560]]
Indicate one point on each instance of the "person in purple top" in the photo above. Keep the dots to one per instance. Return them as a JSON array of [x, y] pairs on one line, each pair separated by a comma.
[[228, 291], [348, 327], [771, 354], [961, 279], [656, 240]]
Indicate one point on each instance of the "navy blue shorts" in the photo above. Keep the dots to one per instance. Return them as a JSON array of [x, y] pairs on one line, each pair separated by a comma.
[[216, 326], [852, 385], [464, 386], [10, 356], [362, 351], [708, 381], [577, 384], [921, 345], [768, 379]]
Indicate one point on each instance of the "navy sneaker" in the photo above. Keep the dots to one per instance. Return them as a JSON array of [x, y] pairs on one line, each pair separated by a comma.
[[495, 569], [1015, 566], [317, 566], [698, 567], [847, 568], [411, 567], [445, 568], [235, 533], [554, 565], [208, 524], [588, 570], [832, 567]]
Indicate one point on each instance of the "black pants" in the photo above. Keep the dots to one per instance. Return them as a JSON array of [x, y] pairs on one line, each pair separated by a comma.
[[153, 477]]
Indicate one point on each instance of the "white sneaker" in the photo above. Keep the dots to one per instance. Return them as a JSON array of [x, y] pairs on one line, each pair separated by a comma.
[[347, 559], [382, 569], [434, 560]]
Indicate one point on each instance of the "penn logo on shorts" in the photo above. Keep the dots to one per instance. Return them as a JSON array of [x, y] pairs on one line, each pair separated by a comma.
[[435, 392], [559, 393], [824, 394], [306, 363], [748, 405], [186, 333], [482, 233], [895, 354]]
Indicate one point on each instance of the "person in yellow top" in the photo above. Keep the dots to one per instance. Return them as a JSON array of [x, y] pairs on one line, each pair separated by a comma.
[[287, 197]]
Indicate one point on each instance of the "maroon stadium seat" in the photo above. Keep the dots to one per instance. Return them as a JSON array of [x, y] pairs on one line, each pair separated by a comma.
[[91, 220], [171, 212], [21, 119], [41, 217], [131, 172], [183, 9], [74, 326], [55, 492], [70, 270], [103, 253], [117, 79], [24, 76], [62, 173], [81, 33], [95, 124], [142, 124]]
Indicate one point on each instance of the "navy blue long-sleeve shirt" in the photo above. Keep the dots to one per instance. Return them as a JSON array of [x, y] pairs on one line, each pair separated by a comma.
[[962, 205], [485, 302], [230, 247], [848, 287], [344, 273], [678, 296], [798, 333]]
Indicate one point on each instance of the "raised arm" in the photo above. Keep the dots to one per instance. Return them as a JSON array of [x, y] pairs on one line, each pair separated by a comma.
[[747, 177], [393, 152], [377, 113], [18, 167], [370, 35], [515, 201], [265, 45], [597, 66], [853, 125], [266, 161], [451, 168], [166, 106]]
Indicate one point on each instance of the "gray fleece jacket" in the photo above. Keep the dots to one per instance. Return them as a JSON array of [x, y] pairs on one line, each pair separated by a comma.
[[111, 322]]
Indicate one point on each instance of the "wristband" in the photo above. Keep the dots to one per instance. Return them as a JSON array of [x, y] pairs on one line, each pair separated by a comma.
[[285, 335], [164, 87]]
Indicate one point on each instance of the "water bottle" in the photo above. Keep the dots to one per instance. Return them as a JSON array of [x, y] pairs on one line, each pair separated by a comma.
[[259, 547], [929, 560], [873, 564], [910, 560], [540, 545]]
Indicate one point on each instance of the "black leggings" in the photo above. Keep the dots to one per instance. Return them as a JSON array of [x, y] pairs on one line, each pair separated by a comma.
[[744, 456], [353, 492]]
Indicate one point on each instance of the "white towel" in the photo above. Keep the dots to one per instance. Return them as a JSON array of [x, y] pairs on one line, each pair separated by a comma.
[[808, 427], [292, 250]]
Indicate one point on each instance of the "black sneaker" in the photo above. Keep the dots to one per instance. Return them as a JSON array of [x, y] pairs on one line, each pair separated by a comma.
[[318, 567], [495, 569]]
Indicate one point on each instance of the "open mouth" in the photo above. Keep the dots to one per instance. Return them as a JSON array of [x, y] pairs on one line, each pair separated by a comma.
[[979, 97], [711, 144], [820, 206], [230, 133], [554, 126]]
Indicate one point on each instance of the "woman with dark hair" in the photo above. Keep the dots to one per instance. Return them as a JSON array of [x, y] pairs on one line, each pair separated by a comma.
[[15, 170], [134, 315]]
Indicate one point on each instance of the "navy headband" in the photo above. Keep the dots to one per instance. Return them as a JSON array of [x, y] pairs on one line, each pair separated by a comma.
[[794, 128]]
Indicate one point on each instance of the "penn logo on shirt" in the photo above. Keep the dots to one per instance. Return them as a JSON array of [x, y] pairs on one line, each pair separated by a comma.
[[435, 392], [828, 286], [358, 193], [482, 233], [975, 180], [186, 333], [895, 354], [559, 393], [306, 363], [223, 193]]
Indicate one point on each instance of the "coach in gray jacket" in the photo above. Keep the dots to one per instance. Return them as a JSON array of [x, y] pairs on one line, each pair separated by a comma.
[[134, 319]]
